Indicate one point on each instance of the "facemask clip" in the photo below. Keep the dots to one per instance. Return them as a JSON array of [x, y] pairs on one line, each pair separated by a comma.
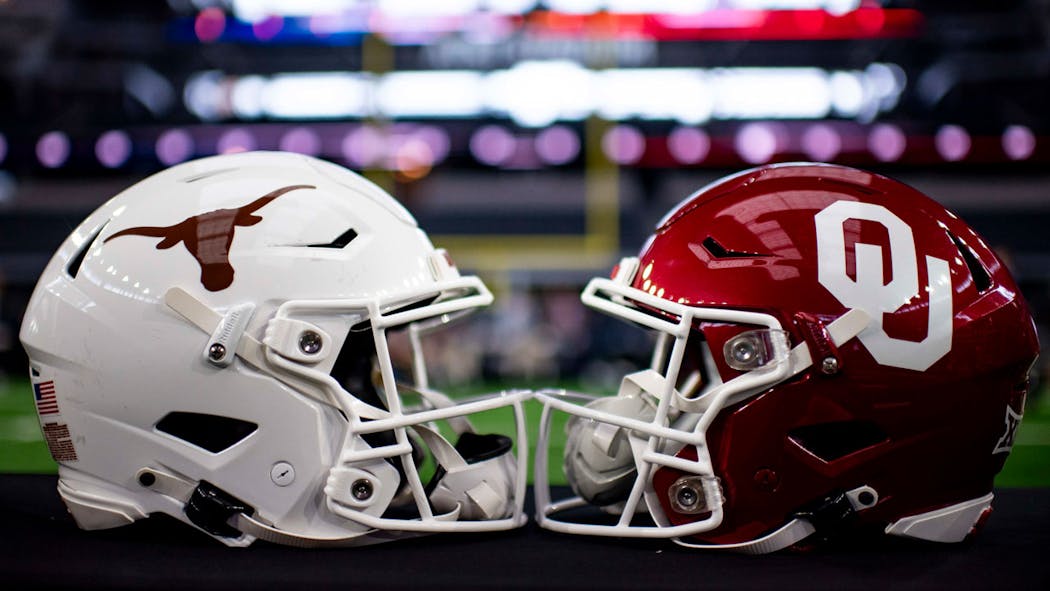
[[825, 354], [222, 346]]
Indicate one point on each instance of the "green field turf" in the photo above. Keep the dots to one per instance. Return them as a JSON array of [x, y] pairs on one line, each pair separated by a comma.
[[22, 449]]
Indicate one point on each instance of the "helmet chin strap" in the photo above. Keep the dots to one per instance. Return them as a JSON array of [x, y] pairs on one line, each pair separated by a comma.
[[826, 514], [251, 527], [470, 490], [480, 489], [789, 534]]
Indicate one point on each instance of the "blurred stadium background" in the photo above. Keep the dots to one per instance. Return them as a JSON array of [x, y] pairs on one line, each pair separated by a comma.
[[537, 140]]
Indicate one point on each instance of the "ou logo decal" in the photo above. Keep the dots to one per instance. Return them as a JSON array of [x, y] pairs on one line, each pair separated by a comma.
[[869, 291]]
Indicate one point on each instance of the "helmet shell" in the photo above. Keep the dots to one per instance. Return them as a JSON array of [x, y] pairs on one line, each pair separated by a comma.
[[919, 404]]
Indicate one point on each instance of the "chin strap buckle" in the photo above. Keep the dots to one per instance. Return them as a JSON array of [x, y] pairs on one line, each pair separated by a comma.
[[829, 513], [210, 508]]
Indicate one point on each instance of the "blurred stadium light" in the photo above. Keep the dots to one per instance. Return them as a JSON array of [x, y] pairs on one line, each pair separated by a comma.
[[537, 139]]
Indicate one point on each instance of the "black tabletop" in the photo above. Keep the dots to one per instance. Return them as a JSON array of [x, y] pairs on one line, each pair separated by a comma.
[[40, 547]]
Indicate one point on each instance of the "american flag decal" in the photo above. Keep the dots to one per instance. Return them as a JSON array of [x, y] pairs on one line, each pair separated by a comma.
[[46, 402]]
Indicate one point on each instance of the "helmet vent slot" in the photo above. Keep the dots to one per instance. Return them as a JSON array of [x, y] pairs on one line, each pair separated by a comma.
[[207, 174], [73, 268], [831, 441], [720, 252], [341, 241], [982, 280], [211, 432]]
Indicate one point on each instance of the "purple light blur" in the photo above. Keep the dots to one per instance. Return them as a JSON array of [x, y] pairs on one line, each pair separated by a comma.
[[235, 140], [268, 28], [557, 145], [113, 148], [1018, 142], [364, 146], [436, 139], [492, 145], [887, 142], [323, 25], [3, 147], [688, 145], [623, 144], [174, 146], [483, 28], [301, 140], [757, 143], [821, 142], [953, 143], [52, 149]]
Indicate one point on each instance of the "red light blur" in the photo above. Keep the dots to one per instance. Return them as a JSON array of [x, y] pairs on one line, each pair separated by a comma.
[[209, 24], [732, 25]]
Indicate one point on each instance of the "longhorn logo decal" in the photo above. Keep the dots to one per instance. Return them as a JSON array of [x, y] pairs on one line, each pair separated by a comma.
[[208, 236]]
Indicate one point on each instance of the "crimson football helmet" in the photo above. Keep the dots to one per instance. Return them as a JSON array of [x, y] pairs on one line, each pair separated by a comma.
[[834, 351]]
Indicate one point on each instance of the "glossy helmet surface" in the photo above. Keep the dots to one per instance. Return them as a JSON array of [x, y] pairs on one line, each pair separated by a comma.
[[212, 343], [834, 350]]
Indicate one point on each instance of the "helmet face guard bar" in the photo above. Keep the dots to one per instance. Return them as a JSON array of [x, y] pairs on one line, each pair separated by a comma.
[[293, 348], [350, 478], [678, 422]]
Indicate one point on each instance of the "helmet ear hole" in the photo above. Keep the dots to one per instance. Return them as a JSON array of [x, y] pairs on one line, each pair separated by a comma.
[[831, 441]]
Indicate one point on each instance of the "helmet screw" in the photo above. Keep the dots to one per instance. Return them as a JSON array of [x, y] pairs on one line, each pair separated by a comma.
[[282, 474], [829, 366], [767, 479], [310, 342], [744, 351], [216, 352], [147, 479], [687, 497], [361, 489]]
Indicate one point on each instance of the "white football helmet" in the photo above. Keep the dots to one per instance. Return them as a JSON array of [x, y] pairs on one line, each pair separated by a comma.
[[212, 344]]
